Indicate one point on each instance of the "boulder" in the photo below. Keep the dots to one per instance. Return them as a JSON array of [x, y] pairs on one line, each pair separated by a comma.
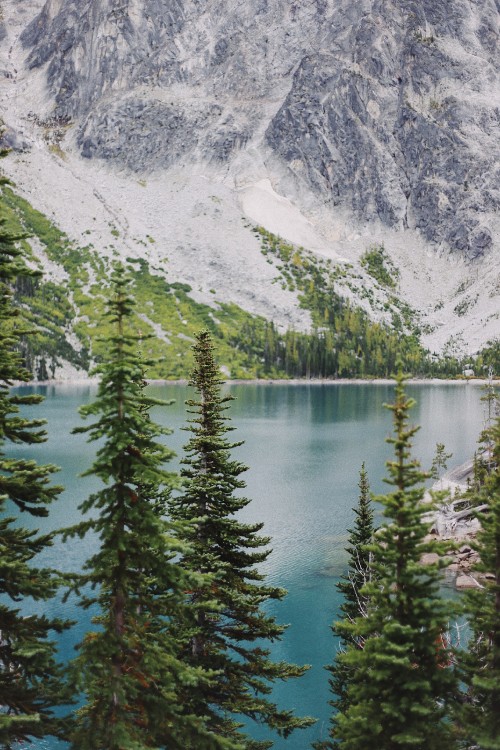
[[466, 582]]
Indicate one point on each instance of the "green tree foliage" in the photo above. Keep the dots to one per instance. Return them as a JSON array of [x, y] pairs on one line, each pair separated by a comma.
[[440, 461], [483, 462], [379, 265], [127, 668], [355, 603], [488, 358], [359, 552], [481, 714], [400, 686], [229, 628], [30, 678], [348, 346]]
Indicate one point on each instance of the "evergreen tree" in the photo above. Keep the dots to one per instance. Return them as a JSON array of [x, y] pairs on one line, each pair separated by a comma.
[[127, 667], [440, 461], [355, 603], [481, 713], [30, 678], [359, 568], [400, 686], [229, 627]]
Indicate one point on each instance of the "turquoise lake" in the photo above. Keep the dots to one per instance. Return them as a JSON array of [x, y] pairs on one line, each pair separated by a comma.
[[304, 446]]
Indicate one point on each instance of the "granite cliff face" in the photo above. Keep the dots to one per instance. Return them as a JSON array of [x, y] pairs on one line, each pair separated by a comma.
[[389, 110], [390, 119]]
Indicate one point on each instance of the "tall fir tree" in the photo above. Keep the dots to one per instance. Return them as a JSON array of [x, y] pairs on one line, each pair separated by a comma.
[[229, 628], [31, 683], [355, 602], [481, 711], [400, 686], [127, 667]]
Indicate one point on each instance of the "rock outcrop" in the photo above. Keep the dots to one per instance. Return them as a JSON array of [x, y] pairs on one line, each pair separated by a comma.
[[389, 110], [457, 521]]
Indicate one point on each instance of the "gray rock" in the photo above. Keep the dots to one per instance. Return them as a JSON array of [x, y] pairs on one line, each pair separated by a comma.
[[466, 582], [379, 107], [11, 140], [371, 149], [430, 558]]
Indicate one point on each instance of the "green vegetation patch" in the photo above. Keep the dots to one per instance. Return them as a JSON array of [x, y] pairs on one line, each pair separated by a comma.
[[377, 263], [488, 359], [169, 306]]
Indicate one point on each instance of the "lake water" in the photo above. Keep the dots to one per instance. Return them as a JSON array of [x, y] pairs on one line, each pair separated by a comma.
[[304, 445]]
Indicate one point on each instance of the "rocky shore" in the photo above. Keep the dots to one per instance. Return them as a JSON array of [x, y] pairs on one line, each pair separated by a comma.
[[458, 524]]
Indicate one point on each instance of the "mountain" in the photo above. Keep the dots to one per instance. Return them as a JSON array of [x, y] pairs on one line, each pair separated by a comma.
[[169, 129]]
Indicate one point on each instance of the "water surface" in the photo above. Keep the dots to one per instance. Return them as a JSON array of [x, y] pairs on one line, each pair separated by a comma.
[[304, 446]]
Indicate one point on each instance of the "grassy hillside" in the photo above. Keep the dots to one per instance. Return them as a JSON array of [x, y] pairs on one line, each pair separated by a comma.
[[67, 305]]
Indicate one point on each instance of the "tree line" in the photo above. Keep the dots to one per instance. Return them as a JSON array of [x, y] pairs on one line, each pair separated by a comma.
[[348, 346], [344, 341], [178, 652]]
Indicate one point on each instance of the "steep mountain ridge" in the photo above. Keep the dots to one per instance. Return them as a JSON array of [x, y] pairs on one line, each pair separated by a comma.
[[378, 115], [336, 125]]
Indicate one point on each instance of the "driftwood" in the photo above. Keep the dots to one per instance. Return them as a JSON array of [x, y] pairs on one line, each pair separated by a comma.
[[467, 512], [458, 525]]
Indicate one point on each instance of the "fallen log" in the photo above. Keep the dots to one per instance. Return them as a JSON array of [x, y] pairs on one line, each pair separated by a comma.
[[467, 512]]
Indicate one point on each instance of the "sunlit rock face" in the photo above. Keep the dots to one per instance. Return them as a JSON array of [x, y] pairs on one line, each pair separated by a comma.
[[388, 110]]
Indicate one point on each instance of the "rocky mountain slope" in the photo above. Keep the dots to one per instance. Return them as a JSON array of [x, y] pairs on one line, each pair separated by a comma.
[[334, 124]]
